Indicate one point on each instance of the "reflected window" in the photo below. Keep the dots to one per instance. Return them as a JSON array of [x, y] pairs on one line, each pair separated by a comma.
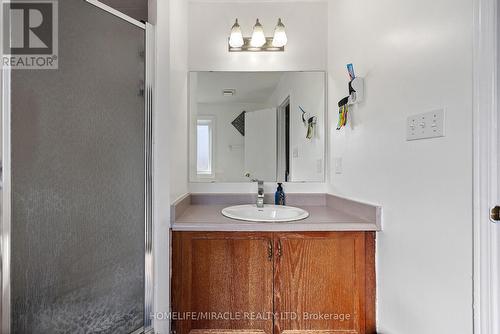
[[204, 135]]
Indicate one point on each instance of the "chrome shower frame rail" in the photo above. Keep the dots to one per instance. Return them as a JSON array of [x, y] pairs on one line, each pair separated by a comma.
[[6, 201], [117, 13], [5, 167], [149, 200]]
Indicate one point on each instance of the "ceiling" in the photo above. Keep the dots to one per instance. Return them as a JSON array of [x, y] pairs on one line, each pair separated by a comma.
[[138, 9], [251, 87]]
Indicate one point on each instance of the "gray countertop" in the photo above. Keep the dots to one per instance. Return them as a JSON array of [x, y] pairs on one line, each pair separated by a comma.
[[202, 212]]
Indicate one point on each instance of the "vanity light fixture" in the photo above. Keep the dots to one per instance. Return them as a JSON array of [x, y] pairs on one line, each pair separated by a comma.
[[279, 38], [258, 42], [258, 37], [236, 38]]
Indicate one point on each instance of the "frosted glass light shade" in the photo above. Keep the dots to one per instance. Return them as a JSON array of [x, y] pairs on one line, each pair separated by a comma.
[[280, 39], [236, 38], [258, 37]]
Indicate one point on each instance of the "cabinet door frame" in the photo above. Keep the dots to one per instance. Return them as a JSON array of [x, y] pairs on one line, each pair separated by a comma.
[[181, 272], [365, 267]]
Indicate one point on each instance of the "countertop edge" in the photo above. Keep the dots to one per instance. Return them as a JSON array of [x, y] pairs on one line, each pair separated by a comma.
[[276, 227], [358, 216]]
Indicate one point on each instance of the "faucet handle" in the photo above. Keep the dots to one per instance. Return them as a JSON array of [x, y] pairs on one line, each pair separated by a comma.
[[260, 194], [260, 185]]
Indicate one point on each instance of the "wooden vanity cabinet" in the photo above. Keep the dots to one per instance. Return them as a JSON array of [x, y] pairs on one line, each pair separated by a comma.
[[281, 283], [328, 279], [220, 273]]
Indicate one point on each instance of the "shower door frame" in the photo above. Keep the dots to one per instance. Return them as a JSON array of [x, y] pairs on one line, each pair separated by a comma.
[[5, 187]]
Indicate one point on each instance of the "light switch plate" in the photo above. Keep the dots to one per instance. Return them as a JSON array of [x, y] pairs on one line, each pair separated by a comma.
[[426, 125], [319, 166]]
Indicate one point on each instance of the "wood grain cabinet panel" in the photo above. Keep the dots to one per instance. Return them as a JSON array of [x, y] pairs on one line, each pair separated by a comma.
[[223, 282], [281, 283], [320, 283], [224, 331]]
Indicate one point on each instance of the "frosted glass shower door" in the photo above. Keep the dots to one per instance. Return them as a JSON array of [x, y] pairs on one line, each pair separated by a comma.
[[78, 180]]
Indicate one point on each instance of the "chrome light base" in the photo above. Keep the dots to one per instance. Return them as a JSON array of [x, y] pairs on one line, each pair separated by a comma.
[[268, 47]]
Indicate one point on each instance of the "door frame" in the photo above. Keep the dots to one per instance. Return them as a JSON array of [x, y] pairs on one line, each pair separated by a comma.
[[281, 145], [485, 135]]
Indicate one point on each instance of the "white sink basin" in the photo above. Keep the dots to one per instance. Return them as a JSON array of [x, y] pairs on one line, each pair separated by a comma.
[[269, 213]]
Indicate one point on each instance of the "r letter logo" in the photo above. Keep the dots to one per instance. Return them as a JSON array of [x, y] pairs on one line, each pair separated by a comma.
[[30, 34]]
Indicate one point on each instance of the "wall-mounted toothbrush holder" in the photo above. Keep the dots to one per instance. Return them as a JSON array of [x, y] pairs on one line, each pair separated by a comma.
[[356, 95], [310, 122], [356, 91]]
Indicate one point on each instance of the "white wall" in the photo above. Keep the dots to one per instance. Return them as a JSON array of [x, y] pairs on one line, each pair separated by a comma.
[[209, 27], [306, 89], [170, 118], [178, 101], [229, 163], [159, 16], [210, 24], [416, 57]]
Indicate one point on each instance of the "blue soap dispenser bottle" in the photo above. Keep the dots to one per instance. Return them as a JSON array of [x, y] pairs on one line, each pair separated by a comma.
[[279, 196]]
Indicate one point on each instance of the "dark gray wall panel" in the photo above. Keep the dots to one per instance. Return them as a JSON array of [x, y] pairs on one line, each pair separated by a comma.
[[138, 9], [78, 181]]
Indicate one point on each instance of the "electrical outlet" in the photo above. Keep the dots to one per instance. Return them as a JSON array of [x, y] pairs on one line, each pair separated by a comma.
[[338, 166], [295, 152], [426, 125]]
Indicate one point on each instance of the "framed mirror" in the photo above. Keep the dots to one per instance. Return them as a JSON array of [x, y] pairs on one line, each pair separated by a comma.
[[268, 126]]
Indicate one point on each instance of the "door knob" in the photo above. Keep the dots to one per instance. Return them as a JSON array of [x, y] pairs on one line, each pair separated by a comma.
[[495, 214]]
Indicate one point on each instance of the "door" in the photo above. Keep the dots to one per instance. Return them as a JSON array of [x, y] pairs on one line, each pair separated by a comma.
[[225, 279], [260, 144], [323, 283], [79, 181]]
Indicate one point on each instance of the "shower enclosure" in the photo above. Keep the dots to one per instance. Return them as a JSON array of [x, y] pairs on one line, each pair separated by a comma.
[[77, 206]]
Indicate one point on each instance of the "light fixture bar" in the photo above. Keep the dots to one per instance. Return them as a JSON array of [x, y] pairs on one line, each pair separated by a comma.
[[247, 47]]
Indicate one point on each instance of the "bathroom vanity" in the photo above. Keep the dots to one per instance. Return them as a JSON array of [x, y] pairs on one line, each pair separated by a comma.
[[316, 275], [241, 267]]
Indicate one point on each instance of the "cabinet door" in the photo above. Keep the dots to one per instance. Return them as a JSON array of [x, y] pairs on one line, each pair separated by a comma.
[[322, 284], [225, 280]]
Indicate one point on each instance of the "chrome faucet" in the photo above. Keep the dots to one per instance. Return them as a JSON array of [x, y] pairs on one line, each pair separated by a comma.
[[260, 194], [260, 190]]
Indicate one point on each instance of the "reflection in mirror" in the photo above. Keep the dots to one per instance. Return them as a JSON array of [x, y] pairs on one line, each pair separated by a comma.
[[257, 125]]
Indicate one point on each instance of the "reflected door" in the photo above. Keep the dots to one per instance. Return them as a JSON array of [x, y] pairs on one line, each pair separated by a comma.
[[78, 180], [260, 144]]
